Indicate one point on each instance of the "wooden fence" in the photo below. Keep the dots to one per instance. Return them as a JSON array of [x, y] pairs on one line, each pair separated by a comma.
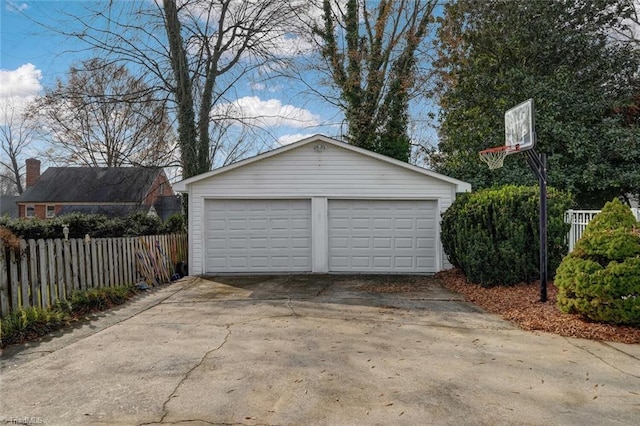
[[44, 271]]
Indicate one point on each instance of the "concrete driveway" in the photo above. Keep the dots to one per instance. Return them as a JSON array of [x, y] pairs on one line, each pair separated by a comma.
[[330, 350]]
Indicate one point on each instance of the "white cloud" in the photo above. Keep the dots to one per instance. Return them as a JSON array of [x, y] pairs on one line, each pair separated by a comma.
[[21, 82], [288, 45], [289, 139], [268, 113], [17, 88], [12, 6]]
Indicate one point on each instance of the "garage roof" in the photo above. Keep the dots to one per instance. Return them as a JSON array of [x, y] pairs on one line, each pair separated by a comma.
[[461, 186]]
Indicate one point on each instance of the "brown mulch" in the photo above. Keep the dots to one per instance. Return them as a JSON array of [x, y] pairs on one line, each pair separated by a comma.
[[521, 305]]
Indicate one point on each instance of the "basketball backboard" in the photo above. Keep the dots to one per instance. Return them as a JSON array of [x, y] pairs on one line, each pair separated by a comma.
[[519, 127]]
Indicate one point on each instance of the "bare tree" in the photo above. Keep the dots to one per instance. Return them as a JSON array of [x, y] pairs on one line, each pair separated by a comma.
[[628, 30], [16, 133], [103, 116], [194, 50]]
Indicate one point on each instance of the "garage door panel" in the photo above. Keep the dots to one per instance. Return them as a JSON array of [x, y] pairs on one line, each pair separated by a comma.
[[382, 243], [258, 236], [382, 262], [382, 235], [405, 223], [218, 262], [426, 262], [406, 262], [382, 223], [363, 223], [258, 243], [361, 262], [404, 243], [300, 242], [426, 243], [300, 224]]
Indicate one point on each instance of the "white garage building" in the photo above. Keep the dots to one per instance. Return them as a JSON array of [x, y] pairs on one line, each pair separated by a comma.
[[318, 205]]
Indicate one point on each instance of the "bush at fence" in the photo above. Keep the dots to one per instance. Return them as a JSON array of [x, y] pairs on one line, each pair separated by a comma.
[[493, 234], [600, 278], [97, 226]]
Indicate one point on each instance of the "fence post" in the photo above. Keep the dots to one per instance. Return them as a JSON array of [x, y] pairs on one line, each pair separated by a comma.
[[33, 274], [62, 294], [82, 265], [68, 284], [14, 283], [44, 273], [53, 293], [568, 218], [24, 274], [87, 263]]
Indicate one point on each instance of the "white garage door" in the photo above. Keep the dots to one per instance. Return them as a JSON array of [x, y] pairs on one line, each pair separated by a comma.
[[258, 235], [382, 236]]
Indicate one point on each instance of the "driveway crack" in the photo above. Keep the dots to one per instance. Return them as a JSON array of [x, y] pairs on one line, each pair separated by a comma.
[[188, 374], [293, 311]]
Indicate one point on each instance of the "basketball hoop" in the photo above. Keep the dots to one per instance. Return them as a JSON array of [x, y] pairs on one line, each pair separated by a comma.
[[494, 157]]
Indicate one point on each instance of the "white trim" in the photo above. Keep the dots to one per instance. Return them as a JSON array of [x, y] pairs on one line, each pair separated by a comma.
[[438, 242], [182, 186], [320, 235], [190, 224]]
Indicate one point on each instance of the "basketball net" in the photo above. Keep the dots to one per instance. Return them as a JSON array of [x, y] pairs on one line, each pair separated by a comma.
[[494, 157]]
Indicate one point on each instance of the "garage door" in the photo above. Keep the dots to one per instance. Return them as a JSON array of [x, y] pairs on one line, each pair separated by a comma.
[[382, 236], [258, 235]]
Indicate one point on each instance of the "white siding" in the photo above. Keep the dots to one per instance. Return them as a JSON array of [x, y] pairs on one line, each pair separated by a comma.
[[334, 172], [306, 173]]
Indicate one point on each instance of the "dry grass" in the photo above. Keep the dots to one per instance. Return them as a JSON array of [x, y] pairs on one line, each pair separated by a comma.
[[521, 305]]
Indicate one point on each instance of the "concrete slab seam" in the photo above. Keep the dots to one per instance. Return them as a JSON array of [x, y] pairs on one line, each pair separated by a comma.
[[568, 340]]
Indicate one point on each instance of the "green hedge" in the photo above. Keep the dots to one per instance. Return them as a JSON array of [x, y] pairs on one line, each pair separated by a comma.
[[493, 234], [97, 226], [29, 323], [600, 279]]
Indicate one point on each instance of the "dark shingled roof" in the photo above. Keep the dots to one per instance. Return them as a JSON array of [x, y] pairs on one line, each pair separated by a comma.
[[167, 206], [92, 185]]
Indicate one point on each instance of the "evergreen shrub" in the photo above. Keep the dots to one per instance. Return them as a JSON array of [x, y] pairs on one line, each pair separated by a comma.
[[600, 279], [493, 234]]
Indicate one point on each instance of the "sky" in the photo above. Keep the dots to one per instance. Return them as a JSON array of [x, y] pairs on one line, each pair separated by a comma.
[[32, 57]]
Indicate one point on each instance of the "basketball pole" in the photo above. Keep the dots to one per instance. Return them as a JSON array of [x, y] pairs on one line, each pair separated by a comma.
[[538, 163]]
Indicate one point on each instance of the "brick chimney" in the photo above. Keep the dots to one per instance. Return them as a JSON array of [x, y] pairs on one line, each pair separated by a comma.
[[33, 171]]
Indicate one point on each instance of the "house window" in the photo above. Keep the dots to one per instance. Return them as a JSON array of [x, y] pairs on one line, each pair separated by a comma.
[[30, 211], [51, 212]]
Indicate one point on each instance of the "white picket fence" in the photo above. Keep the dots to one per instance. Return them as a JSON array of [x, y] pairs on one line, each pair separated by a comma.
[[579, 219], [44, 271]]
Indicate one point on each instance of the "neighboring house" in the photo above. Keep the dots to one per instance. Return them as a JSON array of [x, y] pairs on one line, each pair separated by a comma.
[[112, 191], [318, 205]]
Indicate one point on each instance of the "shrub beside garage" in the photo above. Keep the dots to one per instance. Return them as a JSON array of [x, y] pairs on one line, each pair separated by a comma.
[[493, 236], [600, 279]]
